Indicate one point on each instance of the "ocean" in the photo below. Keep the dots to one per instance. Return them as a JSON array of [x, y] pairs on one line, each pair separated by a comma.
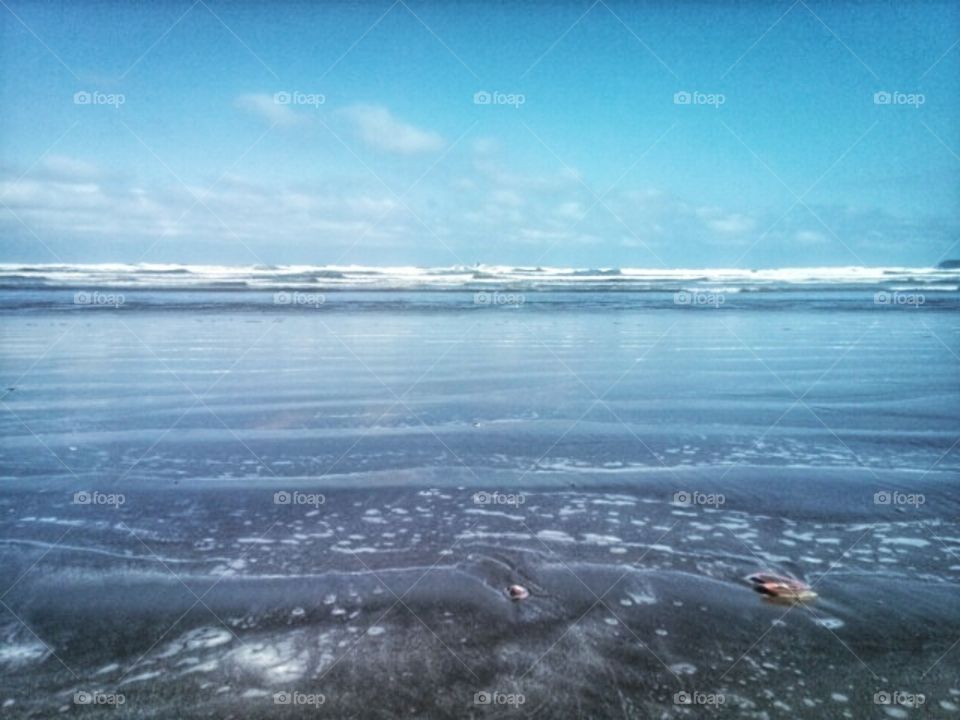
[[304, 491]]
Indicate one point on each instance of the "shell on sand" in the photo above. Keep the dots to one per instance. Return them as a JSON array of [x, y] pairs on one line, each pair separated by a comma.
[[782, 588], [518, 592]]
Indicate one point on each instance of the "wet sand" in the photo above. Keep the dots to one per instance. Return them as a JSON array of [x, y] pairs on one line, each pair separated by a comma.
[[336, 521]]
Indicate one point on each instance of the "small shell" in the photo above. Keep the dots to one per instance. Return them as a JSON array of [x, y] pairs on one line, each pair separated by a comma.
[[782, 588], [518, 592]]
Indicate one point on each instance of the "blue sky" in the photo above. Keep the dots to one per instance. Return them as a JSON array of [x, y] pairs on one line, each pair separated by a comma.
[[351, 133]]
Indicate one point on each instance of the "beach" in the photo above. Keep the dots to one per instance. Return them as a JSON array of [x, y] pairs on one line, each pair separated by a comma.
[[308, 498]]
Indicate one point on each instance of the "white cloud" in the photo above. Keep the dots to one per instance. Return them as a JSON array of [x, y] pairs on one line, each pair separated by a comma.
[[734, 224], [809, 237], [726, 223], [377, 127], [68, 167], [508, 197], [505, 215], [65, 205], [266, 108], [570, 210]]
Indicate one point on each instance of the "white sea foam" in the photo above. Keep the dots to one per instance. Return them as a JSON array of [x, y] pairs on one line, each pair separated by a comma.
[[907, 541], [725, 280], [274, 662], [23, 653], [555, 536]]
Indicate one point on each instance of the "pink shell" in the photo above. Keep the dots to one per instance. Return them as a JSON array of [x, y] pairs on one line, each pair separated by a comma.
[[518, 592]]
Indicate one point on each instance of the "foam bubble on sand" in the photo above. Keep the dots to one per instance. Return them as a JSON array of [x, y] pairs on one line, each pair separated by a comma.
[[734, 525], [141, 677], [354, 551], [208, 666], [230, 568], [949, 706], [376, 630], [618, 500], [830, 623], [275, 662], [202, 638], [206, 637], [592, 539], [908, 541], [478, 535], [53, 521], [493, 513], [555, 536], [839, 697], [642, 598], [18, 654], [895, 712], [683, 669]]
